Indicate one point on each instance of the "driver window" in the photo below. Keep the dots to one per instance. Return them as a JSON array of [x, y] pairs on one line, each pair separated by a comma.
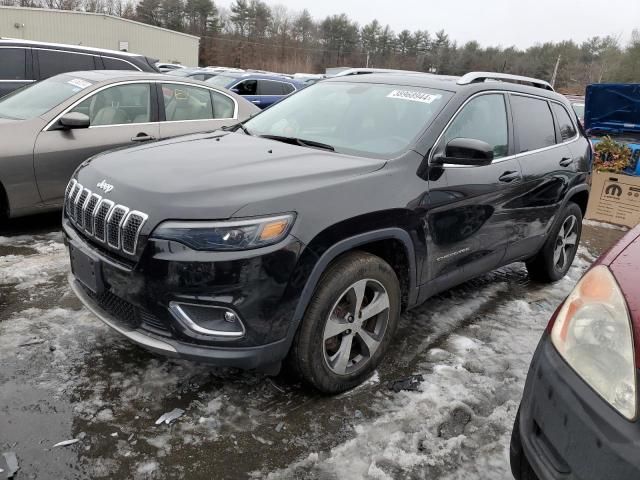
[[119, 105], [483, 118], [247, 87]]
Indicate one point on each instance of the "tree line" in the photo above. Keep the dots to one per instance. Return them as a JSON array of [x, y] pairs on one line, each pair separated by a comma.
[[253, 34]]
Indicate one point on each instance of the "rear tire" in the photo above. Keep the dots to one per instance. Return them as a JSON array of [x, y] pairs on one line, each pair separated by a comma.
[[556, 256], [348, 324]]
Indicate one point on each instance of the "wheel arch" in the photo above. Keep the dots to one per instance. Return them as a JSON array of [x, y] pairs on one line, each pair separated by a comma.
[[376, 242], [580, 196]]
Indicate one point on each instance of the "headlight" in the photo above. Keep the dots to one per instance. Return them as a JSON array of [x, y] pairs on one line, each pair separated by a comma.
[[227, 235], [593, 334]]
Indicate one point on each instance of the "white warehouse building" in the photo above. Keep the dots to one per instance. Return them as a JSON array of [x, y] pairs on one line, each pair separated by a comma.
[[98, 30]]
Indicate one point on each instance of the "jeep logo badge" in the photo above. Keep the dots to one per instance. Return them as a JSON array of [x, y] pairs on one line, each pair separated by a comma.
[[107, 187]]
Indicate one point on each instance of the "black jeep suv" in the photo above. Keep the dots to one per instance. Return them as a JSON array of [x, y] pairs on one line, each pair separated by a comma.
[[304, 232]]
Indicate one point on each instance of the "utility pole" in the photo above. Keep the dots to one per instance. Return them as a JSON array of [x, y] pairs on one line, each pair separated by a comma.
[[555, 72]]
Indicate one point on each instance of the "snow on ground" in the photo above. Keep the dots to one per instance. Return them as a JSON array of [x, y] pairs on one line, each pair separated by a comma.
[[595, 223], [29, 264]]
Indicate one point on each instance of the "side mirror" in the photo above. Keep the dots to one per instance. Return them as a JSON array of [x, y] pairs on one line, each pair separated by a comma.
[[74, 120], [235, 90], [466, 151]]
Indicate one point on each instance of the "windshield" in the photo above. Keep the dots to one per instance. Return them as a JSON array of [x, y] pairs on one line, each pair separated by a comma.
[[221, 80], [355, 118], [39, 98]]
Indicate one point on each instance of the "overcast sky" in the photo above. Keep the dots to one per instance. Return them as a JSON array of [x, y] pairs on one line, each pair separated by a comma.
[[491, 22]]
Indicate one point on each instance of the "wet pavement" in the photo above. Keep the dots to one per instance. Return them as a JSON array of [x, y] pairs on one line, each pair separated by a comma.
[[64, 375]]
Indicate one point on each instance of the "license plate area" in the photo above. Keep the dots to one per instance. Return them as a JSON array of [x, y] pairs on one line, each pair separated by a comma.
[[86, 268]]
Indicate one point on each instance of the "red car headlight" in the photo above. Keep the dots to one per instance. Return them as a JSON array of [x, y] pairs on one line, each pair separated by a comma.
[[593, 333]]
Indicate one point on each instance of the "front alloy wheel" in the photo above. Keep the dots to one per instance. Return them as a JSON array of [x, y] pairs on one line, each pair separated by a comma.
[[348, 324], [356, 326]]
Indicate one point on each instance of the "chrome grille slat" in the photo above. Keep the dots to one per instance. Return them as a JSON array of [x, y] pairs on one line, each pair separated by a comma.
[[79, 203], [77, 188], [100, 219], [131, 227], [89, 211], [113, 224], [67, 194]]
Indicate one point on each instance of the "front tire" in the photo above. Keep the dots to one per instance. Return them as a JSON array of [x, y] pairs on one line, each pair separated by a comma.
[[348, 324], [554, 260]]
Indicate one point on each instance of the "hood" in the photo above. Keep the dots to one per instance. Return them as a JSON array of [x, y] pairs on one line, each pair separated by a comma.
[[612, 108], [212, 176]]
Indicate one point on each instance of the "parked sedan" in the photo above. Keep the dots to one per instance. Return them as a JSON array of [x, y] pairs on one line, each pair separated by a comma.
[[50, 127], [258, 88], [578, 419]]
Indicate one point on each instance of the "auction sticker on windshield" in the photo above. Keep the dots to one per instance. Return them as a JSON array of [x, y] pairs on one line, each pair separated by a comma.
[[78, 82], [414, 96]]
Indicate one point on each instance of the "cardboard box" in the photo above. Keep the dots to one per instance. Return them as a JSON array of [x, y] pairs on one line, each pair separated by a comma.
[[614, 199]]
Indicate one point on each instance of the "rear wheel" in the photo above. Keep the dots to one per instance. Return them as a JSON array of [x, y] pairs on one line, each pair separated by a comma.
[[554, 260], [349, 323]]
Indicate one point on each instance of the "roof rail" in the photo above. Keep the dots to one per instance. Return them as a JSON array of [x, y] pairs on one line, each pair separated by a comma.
[[477, 77]]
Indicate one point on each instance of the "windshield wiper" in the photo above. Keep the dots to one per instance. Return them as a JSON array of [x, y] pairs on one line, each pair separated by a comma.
[[299, 141], [235, 127]]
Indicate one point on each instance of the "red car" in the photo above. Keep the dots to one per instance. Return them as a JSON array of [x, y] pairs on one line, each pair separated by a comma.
[[578, 419]]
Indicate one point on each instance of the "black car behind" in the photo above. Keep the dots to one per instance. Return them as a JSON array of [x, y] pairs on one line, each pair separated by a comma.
[[23, 61]]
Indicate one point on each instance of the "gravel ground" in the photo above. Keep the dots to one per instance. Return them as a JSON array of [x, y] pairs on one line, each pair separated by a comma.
[[64, 375]]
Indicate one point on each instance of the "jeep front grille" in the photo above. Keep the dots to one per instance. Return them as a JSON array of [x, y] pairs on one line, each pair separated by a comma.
[[100, 218]]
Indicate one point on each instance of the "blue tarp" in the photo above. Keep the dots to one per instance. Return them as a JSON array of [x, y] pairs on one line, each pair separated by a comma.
[[614, 109]]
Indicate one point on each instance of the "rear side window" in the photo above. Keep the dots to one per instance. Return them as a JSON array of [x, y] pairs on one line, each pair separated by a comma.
[[55, 62], [223, 106], [116, 64], [567, 128], [184, 102], [533, 123], [13, 63], [483, 118], [268, 87]]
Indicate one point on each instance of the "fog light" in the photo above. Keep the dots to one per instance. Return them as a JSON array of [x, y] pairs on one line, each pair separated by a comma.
[[208, 319]]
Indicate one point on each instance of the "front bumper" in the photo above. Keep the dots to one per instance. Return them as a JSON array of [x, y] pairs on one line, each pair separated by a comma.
[[566, 431], [134, 298], [240, 357]]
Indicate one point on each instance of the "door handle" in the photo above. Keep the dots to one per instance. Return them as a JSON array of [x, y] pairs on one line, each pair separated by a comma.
[[566, 161], [142, 137], [257, 102], [509, 176]]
